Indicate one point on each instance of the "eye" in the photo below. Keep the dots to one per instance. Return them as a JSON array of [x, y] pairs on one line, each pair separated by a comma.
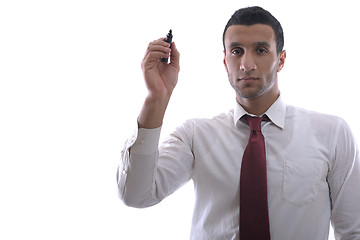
[[261, 50], [236, 51]]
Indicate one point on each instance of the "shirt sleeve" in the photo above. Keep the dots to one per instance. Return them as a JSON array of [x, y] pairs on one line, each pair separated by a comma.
[[344, 179], [148, 173]]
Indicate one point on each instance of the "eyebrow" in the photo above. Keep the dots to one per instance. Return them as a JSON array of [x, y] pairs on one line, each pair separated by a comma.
[[238, 44]]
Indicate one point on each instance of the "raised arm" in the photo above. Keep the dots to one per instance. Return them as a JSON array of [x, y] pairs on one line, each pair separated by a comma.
[[139, 179], [160, 78]]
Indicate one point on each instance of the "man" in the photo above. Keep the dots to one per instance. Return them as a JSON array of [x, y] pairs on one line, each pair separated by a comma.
[[311, 162]]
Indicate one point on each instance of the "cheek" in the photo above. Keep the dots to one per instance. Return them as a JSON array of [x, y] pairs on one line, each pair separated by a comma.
[[276, 67], [230, 66], [231, 73], [269, 67], [272, 72]]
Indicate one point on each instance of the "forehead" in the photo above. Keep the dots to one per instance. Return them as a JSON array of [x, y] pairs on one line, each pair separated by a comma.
[[248, 35]]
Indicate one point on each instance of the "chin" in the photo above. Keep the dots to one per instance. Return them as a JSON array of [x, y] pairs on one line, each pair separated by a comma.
[[249, 93]]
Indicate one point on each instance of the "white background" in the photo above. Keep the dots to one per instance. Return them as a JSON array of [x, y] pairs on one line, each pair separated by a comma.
[[71, 89]]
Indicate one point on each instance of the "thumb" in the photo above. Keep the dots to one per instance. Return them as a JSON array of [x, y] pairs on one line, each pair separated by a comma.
[[175, 56]]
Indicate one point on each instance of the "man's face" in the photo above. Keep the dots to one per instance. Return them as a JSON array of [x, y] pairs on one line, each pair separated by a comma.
[[251, 60]]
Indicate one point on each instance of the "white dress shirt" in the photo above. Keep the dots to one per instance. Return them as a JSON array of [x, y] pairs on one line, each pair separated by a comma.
[[313, 171]]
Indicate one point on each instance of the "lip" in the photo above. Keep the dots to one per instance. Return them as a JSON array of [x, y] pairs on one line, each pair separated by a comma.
[[248, 78]]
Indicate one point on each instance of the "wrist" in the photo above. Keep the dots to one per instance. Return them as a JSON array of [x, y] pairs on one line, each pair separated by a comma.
[[157, 99], [153, 111]]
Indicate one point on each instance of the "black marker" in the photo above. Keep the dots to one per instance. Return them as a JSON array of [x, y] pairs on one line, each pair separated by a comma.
[[169, 37]]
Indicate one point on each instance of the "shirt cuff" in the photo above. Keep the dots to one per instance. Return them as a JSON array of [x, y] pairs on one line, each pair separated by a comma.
[[147, 141]]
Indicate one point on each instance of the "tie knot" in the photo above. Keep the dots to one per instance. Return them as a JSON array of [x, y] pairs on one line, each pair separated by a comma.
[[254, 122]]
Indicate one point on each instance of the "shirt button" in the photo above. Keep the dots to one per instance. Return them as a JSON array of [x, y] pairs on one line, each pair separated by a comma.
[[124, 172]]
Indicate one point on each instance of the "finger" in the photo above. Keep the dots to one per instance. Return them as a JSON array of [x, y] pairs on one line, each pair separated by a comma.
[[175, 56], [161, 42], [159, 45], [157, 51], [151, 56], [158, 48]]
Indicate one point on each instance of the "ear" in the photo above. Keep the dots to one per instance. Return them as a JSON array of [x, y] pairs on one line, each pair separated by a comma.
[[282, 57], [224, 61]]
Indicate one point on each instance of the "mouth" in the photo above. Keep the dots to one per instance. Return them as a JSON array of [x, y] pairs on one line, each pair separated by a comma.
[[248, 78]]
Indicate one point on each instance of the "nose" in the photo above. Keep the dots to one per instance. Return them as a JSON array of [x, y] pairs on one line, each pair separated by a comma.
[[247, 63]]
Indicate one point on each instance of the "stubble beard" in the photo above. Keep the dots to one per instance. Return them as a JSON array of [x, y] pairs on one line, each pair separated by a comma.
[[252, 93], [246, 92]]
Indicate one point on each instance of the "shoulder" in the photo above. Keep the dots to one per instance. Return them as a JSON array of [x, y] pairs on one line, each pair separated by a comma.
[[205, 127], [326, 132], [323, 126], [222, 119], [312, 118], [217, 123]]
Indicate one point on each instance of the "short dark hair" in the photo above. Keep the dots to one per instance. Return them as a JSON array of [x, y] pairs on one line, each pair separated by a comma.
[[254, 15]]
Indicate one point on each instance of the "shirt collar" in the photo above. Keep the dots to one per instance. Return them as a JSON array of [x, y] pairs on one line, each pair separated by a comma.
[[276, 113]]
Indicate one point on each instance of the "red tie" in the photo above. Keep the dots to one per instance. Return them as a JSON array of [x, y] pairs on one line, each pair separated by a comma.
[[254, 213]]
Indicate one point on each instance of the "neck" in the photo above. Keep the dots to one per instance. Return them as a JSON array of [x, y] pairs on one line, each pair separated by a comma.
[[259, 105]]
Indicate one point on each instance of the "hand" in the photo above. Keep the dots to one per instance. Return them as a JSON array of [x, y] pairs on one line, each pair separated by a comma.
[[160, 77]]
